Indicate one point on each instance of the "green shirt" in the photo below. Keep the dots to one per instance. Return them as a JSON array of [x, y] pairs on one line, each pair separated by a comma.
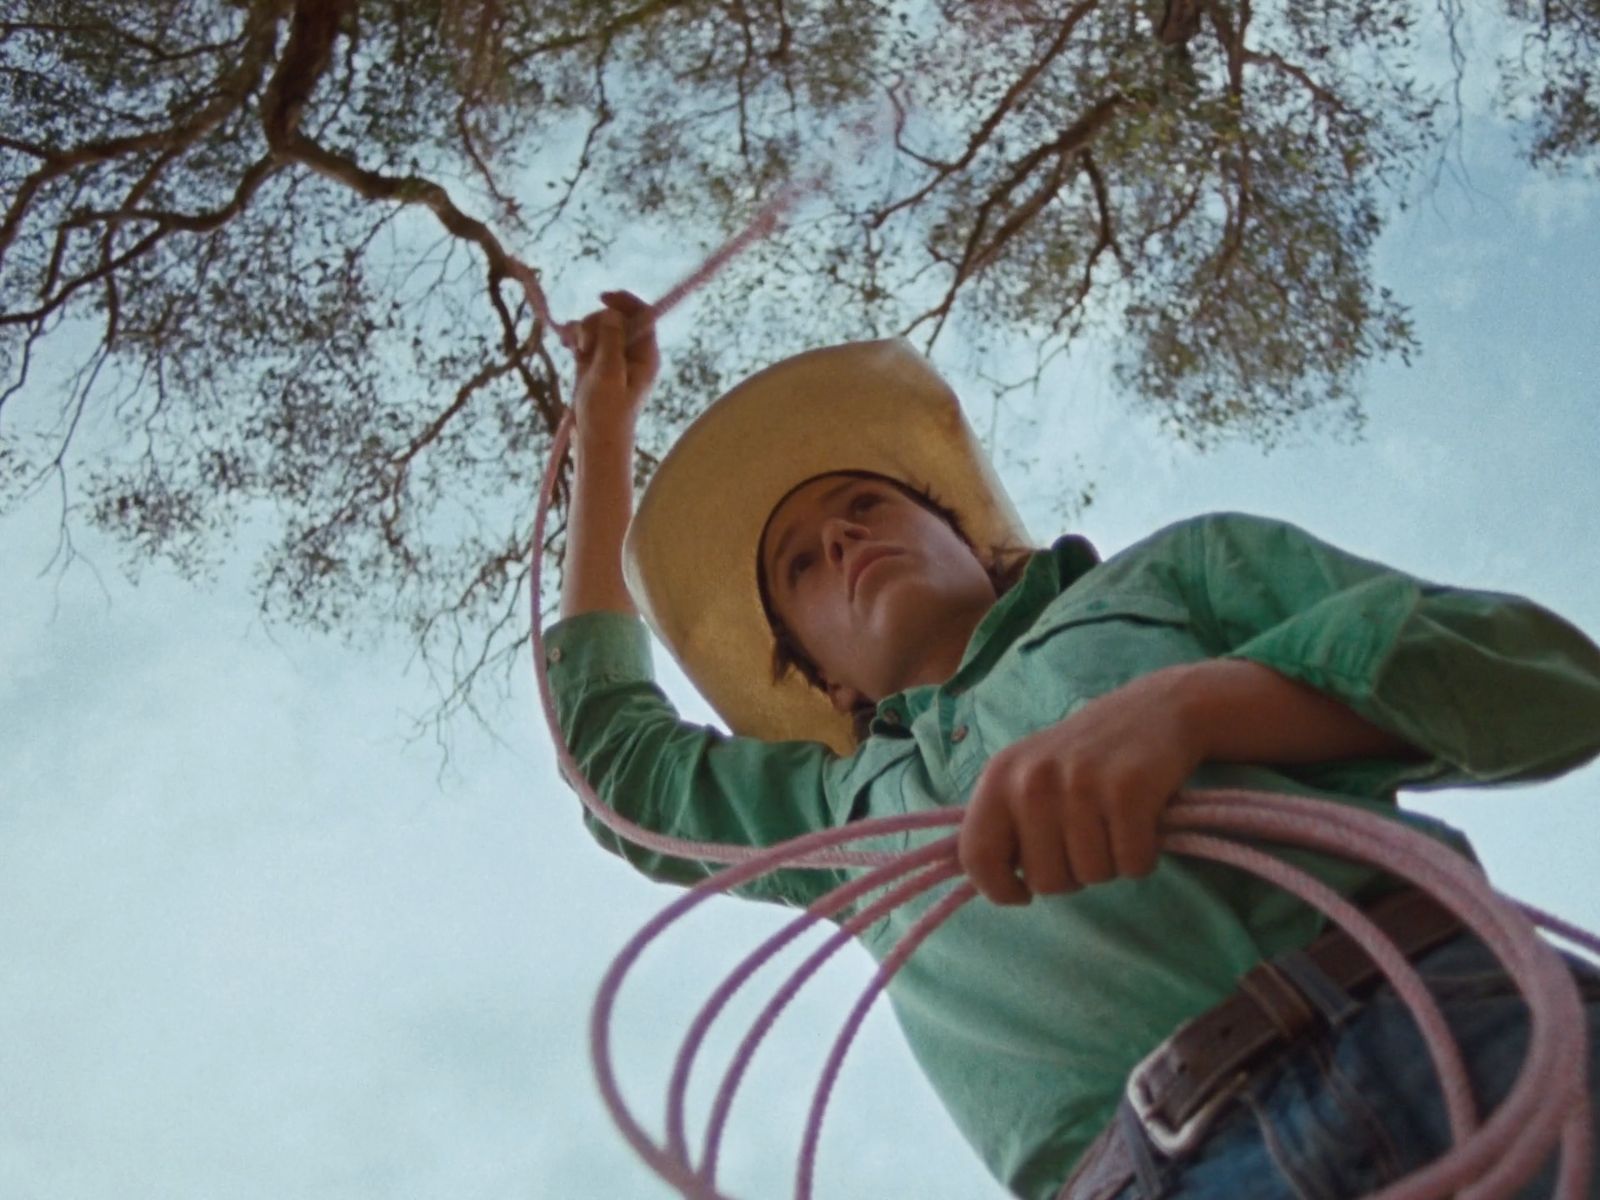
[[1028, 1020]]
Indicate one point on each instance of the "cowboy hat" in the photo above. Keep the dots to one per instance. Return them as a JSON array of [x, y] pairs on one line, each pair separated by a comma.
[[690, 554]]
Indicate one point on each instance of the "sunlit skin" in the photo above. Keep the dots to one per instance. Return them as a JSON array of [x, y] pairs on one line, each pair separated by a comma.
[[916, 601]]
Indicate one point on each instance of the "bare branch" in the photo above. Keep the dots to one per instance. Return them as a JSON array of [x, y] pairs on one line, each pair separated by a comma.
[[1327, 98], [254, 176], [311, 38], [71, 287], [1240, 203], [608, 32], [602, 118], [978, 252], [980, 136], [152, 50], [260, 37]]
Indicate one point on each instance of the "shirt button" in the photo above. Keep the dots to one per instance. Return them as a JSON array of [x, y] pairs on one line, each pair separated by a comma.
[[555, 655], [891, 717], [958, 734]]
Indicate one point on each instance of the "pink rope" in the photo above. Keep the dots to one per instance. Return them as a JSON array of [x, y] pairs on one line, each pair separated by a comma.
[[826, 906], [674, 1171], [1575, 934], [762, 225], [858, 137], [1400, 973], [1512, 1145], [770, 216], [892, 962], [1502, 1158], [765, 223], [923, 881]]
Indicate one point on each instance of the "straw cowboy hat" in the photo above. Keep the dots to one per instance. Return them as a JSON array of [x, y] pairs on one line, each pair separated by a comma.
[[690, 554]]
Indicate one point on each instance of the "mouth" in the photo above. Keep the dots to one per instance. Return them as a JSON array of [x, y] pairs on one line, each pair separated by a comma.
[[858, 567]]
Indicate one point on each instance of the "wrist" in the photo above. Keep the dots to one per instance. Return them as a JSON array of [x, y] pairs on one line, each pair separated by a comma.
[[1192, 695], [611, 438]]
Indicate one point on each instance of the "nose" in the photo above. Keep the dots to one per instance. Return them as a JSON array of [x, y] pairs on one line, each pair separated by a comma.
[[837, 533]]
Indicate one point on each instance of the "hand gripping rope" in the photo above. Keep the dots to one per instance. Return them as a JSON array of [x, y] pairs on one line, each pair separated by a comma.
[[1546, 1109]]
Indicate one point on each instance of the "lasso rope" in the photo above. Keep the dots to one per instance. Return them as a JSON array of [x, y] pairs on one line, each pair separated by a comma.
[[1547, 1108]]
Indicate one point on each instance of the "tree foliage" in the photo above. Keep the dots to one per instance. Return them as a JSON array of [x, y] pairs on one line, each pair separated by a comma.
[[288, 247]]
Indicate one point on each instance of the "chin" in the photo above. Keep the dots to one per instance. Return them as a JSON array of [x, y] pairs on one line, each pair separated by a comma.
[[905, 610]]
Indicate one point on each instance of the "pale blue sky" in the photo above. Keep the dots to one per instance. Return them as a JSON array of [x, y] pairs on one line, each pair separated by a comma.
[[254, 947]]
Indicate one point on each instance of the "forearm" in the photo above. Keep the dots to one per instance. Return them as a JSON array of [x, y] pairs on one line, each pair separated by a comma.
[[1244, 712], [597, 520]]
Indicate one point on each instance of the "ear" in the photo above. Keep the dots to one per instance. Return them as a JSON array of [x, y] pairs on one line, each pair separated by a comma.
[[844, 698]]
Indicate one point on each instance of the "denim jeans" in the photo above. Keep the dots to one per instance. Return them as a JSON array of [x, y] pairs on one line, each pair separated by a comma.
[[1352, 1109]]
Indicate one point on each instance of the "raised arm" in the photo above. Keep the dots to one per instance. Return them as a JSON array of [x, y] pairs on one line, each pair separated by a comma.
[[669, 775], [617, 365]]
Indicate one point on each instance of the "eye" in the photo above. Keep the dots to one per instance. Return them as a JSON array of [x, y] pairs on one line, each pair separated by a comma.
[[799, 563], [863, 502]]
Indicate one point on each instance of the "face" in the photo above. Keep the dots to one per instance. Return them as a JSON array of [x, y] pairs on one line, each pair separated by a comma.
[[881, 593]]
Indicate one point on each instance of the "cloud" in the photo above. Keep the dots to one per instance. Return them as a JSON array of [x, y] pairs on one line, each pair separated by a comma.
[[1558, 204]]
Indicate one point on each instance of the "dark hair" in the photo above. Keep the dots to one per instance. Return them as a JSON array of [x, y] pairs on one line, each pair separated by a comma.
[[1004, 566]]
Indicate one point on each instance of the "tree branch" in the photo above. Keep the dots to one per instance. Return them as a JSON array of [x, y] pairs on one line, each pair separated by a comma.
[[975, 255], [980, 136], [254, 176], [606, 32], [260, 37], [312, 33], [1276, 62]]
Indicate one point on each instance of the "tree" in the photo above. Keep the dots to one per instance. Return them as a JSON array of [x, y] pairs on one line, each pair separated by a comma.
[[290, 244]]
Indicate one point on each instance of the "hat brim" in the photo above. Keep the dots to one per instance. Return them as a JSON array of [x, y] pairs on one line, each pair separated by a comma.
[[690, 553]]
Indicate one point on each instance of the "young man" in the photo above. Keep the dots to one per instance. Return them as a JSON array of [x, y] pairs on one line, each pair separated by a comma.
[[830, 557]]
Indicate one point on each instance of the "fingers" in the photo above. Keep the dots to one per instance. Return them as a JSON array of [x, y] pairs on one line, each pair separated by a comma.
[[987, 847], [620, 335], [1088, 842], [1135, 842], [599, 345], [640, 342], [626, 303], [1043, 852], [638, 321], [607, 340], [1061, 835]]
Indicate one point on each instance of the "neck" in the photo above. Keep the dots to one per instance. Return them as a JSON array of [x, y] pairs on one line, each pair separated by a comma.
[[937, 652]]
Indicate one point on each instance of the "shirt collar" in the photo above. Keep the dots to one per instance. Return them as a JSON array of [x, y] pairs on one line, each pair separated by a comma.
[[1048, 574]]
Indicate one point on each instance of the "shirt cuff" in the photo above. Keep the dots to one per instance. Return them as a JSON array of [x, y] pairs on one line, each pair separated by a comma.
[[1345, 647], [1342, 644], [598, 647]]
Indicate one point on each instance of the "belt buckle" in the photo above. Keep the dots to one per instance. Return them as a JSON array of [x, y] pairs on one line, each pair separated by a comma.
[[1169, 1141]]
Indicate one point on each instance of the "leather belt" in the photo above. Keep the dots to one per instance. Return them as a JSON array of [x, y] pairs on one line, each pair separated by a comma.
[[1179, 1086]]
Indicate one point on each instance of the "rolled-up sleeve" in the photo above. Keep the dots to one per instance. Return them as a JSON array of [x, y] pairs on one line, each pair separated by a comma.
[[674, 777], [1493, 687]]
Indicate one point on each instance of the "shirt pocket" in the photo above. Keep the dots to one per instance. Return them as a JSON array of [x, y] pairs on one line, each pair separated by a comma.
[[1111, 609], [1079, 650]]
